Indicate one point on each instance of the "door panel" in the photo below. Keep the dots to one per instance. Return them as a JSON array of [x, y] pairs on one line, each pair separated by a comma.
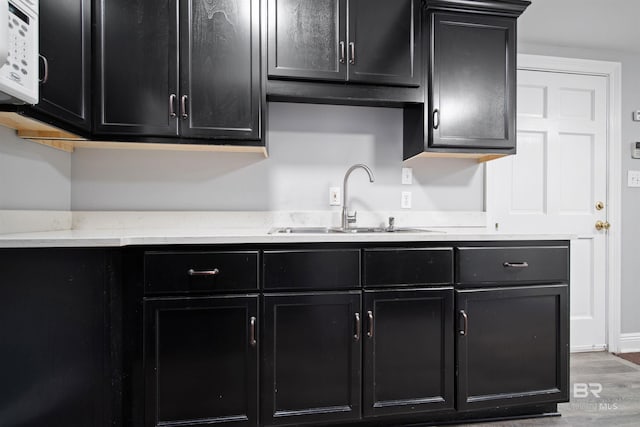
[[312, 351], [134, 80], [65, 42], [408, 351], [220, 69], [196, 370], [515, 347], [384, 36], [473, 81], [555, 181], [305, 39]]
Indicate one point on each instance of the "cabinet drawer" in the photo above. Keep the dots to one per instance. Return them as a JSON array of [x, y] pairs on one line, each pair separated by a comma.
[[319, 269], [512, 264], [183, 272], [408, 266]]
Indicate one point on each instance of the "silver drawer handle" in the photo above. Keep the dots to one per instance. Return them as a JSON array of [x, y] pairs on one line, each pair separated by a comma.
[[192, 272], [515, 264]]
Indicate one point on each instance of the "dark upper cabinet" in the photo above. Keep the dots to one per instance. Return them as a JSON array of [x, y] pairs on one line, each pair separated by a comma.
[[137, 67], [179, 68], [408, 351], [470, 106], [311, 39], [201, 361], [473, 81], [65, 47], [512, 346], [311, 358]]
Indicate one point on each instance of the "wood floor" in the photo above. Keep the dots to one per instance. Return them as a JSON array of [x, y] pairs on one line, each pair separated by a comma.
[[618, 404]]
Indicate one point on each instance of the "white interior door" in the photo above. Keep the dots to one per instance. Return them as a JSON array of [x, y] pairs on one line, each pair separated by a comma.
[[554, 184]]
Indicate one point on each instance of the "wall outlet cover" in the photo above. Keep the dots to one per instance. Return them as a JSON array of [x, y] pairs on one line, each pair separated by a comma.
[[405, 201], [633, 179], [407, 176], [334, 196]]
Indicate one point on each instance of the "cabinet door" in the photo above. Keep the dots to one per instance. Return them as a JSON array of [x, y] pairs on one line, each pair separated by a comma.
[[408, 351], [512, 346], [201, 361], [220, 69], [65, 43], [473, 78], [383, 38], [311, 370], [137, 67], [307, 39]]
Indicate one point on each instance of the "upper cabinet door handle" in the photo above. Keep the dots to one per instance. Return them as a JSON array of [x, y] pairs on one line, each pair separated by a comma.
[[436, 118], [352, 49], [183, 106], [342, 53], [45, 63], [172, 105]]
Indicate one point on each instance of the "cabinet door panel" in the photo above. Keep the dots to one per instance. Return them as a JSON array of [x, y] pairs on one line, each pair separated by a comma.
[[200, 365], [220, 68], [65, 42], [384, 34], [305, 39], [473, 81], [137, 67], [515, 349], [409, 353], [311, 358]]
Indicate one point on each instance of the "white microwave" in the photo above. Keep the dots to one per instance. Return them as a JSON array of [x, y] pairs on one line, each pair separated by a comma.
[[19, 52]]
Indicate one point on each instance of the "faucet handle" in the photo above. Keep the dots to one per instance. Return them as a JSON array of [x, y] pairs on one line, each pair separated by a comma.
[[351, 219], [392, 222]]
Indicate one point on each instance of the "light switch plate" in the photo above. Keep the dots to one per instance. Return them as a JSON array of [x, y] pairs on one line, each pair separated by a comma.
[[633, 179], [407, 176], [334, 196]]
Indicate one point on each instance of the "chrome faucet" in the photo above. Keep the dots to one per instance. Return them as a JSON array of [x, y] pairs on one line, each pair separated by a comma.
[[346, 218]]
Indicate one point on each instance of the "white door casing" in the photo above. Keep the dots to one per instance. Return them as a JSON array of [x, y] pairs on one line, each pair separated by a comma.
[[559, 174]]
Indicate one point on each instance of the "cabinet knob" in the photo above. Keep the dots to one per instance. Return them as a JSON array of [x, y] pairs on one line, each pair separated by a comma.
[[602, 225]]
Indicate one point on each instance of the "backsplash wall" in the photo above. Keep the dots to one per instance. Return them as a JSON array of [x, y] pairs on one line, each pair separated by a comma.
[[310, 147]]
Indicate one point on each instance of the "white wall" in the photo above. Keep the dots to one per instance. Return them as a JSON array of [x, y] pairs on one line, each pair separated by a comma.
[[311, 147], [32, 176]]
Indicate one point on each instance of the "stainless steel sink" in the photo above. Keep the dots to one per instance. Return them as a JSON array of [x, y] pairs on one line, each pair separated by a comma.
[[355, 230]]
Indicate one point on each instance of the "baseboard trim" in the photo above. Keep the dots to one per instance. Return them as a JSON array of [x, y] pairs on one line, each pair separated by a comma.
[[587, 348], [629, 343]]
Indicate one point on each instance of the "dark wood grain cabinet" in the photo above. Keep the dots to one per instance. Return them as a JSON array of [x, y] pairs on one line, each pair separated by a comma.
[[201, 361], [364, 41], [311, 366], [512, 346], [470, 106], [178, 68], [408, 351]]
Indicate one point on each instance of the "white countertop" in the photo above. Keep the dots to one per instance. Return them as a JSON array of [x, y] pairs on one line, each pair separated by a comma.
[[33, 229], [117, 238]]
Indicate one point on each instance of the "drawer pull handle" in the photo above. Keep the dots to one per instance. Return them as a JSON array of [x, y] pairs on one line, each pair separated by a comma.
[[515, 264], [252, 331], [465, 323], [356, 336], [192, 272]]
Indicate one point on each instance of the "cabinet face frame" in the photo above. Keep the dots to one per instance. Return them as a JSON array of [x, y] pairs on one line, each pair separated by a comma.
[[437, 20], [558, 393], [154, 307], [373, 301]]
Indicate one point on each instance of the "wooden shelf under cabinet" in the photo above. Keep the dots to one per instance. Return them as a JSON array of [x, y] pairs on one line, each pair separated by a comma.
[[45, 134]]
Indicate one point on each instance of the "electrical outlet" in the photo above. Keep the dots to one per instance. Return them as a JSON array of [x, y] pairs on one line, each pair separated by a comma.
[[334, 196], [407, 176], [633, 179], [405, 201]]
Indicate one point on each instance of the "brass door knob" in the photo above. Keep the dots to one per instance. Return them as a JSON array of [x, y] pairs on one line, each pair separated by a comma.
[[602, 225]]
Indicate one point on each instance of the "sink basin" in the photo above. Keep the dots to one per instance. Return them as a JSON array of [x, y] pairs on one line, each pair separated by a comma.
[[355, 230]]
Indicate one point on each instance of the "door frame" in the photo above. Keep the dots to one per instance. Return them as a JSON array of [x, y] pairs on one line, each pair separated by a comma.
[[612, 71]]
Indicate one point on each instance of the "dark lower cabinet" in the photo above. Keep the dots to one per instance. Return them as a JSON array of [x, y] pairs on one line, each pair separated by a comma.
[[311, 358], [201, 361], [512, 346], [53, 337], [408, 351]]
